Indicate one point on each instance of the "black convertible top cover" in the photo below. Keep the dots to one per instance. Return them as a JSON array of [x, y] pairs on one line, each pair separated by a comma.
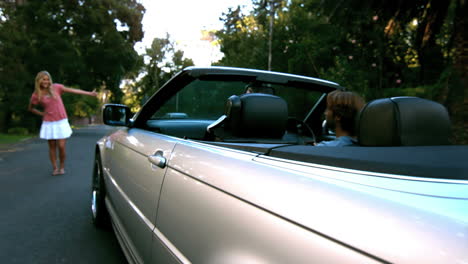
[[447, 162]]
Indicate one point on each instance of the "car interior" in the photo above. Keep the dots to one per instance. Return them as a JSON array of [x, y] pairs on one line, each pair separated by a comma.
[[221, 111], [403, 121], [401, 135], [395, 135], [257, 117]]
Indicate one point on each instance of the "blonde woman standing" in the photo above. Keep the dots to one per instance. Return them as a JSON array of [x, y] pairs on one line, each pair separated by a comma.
[[55, 127]]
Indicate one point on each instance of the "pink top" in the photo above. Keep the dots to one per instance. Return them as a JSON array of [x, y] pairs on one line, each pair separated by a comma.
[[54, 110]]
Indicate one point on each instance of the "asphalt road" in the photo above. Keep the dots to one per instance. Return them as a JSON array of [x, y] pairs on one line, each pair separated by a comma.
[[45, 218]]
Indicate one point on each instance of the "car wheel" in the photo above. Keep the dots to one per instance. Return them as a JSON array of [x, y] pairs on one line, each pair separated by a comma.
[[100, 215]]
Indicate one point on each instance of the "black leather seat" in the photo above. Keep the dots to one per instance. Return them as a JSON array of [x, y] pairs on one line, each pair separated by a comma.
[[253, 115], [403, 121]]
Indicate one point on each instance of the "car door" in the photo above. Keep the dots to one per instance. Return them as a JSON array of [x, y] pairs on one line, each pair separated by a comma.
[[222, 206], [137, 167]]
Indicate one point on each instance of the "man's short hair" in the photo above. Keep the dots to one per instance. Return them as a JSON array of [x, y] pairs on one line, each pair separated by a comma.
[[345, 105]]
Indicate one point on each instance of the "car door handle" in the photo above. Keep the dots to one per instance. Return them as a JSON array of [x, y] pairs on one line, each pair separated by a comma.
[[158, 160]]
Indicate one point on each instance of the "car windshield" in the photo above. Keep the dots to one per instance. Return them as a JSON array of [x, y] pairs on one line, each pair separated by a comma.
[[206, 99]]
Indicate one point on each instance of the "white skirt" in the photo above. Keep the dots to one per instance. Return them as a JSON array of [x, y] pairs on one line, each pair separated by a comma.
[[55, 129]]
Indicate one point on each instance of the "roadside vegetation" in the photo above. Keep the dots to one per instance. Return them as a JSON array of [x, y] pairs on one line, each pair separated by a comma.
[[377, 48], [7, 139]]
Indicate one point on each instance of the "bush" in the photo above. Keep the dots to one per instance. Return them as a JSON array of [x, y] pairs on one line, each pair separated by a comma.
[[18, 131], [419, 91]]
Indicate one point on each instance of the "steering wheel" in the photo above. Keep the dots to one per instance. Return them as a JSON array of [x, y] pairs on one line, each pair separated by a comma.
[[302, 129]]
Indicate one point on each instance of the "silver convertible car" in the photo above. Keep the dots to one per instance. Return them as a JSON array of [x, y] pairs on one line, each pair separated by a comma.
[[207, 173]]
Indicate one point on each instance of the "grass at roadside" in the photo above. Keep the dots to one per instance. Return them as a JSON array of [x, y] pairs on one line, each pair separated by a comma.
[[6, 139]]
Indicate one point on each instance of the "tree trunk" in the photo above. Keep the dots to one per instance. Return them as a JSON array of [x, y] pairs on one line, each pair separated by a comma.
[[3, 126], [457, 101], [429, 53]]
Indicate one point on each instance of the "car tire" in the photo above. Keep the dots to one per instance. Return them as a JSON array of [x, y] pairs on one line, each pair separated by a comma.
[[99, 213]]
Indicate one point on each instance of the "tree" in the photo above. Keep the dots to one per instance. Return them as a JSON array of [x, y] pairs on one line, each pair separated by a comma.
[[456, 98], [85, 44], [377, 48], [162, 61], [243, 40]]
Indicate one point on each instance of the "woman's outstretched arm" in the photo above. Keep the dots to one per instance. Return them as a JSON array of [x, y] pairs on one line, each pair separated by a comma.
[[79, 91]]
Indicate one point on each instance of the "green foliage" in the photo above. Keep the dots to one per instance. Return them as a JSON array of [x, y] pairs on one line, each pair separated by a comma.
[[420, 91], [376, 48], [162, 61], [86, 44], [80, 106], [359, 44], [11, 138], [243, 41], [350, 76], [18, 131]]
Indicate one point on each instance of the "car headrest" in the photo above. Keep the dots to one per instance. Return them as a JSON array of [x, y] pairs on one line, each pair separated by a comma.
[[403, 121], [256, 115]]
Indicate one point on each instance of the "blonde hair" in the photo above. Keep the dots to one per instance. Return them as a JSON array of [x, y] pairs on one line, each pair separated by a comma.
[[37, 85]]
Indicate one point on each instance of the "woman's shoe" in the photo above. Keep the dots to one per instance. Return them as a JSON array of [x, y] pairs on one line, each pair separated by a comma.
[[56, 172], [61, 171]]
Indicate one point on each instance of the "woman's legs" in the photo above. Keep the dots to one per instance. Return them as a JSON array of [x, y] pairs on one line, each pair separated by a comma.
[[62, 154], [53, 153], [53, 144]]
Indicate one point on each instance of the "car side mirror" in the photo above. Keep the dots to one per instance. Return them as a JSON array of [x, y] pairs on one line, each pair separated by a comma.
[[116, 115]]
